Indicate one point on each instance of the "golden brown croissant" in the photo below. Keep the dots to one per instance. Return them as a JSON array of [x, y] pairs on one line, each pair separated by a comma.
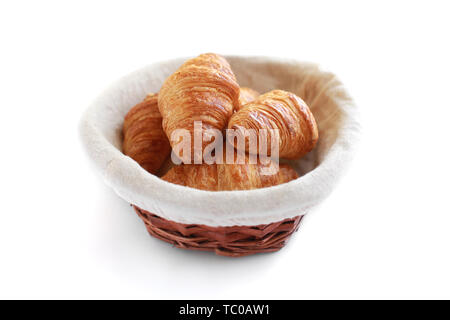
[[219, 177], [281, 110], [246, 95], [144, 139], [202, 89]]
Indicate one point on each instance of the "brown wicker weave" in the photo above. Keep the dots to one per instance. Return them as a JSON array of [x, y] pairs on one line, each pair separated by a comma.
[[235, 241]]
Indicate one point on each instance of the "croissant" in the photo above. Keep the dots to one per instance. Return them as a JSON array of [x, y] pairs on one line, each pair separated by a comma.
[[220, 177], [202, 89], [246, 95], [144, 139], [281, 110]]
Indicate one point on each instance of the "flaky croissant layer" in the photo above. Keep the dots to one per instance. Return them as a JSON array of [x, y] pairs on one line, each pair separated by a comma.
[[202, 89], [284, 111], [228, 177], [144, 139]]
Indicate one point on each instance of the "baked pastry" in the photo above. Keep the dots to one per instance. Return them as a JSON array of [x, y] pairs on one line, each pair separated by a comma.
[[221, 177], [227, 177], [144, 139], [246, 95], [202, 89], [281, 110]]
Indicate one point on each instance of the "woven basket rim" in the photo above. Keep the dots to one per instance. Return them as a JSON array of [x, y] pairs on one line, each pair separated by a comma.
[[249, 207]]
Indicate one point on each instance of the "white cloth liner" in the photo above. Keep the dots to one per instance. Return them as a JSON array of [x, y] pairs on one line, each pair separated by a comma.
[[335, 112]]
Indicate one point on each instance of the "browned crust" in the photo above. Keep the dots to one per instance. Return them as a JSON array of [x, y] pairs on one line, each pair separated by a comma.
[[144, 139], [281, 110], [202, 89]]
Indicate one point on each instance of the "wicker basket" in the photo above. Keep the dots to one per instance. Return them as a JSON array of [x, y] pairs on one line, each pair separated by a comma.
[[230, 223], [235, 241]]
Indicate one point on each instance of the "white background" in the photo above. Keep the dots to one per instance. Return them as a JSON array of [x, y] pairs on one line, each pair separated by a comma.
[[384, 232]]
